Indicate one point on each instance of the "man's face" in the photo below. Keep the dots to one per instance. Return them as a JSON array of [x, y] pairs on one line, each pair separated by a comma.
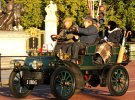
[[67, 24], [87, 23], [109, 27]]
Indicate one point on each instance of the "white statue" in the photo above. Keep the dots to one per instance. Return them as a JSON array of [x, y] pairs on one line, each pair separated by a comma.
[[51, 9], [50, 25]]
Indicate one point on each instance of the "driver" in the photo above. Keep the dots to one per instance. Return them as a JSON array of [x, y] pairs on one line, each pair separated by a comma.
[[67, 36]]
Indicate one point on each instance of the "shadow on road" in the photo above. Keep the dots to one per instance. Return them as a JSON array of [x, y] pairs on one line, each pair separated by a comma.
[[39, 93], [43, 92], [97, 91], [4, 91], [94, 94]]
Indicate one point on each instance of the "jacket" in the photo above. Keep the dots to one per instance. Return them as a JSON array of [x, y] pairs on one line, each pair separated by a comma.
[[68, 35], [88, 35], [115, 36]]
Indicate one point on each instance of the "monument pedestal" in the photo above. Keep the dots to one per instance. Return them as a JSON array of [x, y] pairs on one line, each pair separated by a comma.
[[12, 46], [13, 43], [50, 26]]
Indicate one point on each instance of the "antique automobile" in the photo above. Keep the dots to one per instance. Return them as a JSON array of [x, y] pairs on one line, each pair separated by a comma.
[[66, 78]]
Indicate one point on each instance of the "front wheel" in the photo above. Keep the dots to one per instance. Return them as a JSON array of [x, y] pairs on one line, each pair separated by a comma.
[[118, 80], [63, 83], [17, 86]]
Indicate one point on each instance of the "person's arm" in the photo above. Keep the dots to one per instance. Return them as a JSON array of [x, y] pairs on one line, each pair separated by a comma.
[[61, 33], [92, 30], [69, 36]]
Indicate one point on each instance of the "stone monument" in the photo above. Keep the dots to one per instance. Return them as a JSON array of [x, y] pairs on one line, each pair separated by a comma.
[[9, 15], [50, 26], [12, 43]]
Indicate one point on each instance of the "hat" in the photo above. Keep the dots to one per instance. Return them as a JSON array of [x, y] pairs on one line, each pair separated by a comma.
[[95, 20], [112, 24], [70, 19], [88, 18]]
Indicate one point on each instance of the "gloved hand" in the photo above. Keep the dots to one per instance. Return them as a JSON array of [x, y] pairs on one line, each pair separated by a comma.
[[67, 31], [75, 28], [54, 37], [106, 39], [76, 38]]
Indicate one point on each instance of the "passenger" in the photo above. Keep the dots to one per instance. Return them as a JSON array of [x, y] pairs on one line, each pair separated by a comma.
[[67, 36], [113, 38], [88, 35], [114, 34]]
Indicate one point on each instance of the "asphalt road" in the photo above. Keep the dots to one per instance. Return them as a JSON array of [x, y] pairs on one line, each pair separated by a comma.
[[98, 93]]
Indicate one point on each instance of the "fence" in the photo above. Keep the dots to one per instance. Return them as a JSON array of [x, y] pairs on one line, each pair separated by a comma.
[[7, 68], [131, 50]]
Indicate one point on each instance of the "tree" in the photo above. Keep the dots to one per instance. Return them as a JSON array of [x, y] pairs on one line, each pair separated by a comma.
[[121, 11], [130, 19], [32, 16], [3, 3]]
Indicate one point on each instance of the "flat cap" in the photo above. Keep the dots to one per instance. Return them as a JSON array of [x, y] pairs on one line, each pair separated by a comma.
[[88, 18]]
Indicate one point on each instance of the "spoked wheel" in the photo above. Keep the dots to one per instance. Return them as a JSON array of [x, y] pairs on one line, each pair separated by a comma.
[[118, 80], [17, 86], [63, 83]]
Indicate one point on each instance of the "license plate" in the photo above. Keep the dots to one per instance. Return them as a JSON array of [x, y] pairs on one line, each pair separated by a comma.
[[32, 82]]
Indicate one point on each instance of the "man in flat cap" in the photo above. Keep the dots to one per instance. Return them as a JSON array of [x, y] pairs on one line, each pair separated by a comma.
[[88, 36]]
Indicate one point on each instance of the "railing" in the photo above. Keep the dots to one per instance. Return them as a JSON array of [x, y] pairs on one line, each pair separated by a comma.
[[1, 68], [131, 50]]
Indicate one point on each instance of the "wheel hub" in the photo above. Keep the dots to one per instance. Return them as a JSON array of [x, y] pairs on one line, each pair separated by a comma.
[[65, 83], [119, 80]]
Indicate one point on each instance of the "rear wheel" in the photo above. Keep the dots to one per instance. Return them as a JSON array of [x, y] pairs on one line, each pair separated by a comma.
[[17, 86], [118, 80]]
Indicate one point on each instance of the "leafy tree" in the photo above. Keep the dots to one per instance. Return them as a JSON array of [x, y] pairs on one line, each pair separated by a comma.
[[130, 19], [3, 3], [121, 11], [32, 16]]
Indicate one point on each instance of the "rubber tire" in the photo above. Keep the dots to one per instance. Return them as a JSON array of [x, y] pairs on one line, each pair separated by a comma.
[[80, 78], [12, 87], [75, 75], [112, 91]]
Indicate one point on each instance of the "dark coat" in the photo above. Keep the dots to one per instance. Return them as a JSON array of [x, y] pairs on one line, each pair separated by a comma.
[[115, 36], [68, 36], [88, 35]]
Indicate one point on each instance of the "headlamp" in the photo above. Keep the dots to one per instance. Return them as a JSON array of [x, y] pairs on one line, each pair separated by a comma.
[[37, 64], [17, 64]]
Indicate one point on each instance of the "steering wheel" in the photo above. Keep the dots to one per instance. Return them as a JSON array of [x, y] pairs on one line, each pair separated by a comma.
[[54, 37]]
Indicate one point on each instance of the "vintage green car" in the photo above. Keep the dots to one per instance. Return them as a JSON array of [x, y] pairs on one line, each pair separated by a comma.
[[66, 78]]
